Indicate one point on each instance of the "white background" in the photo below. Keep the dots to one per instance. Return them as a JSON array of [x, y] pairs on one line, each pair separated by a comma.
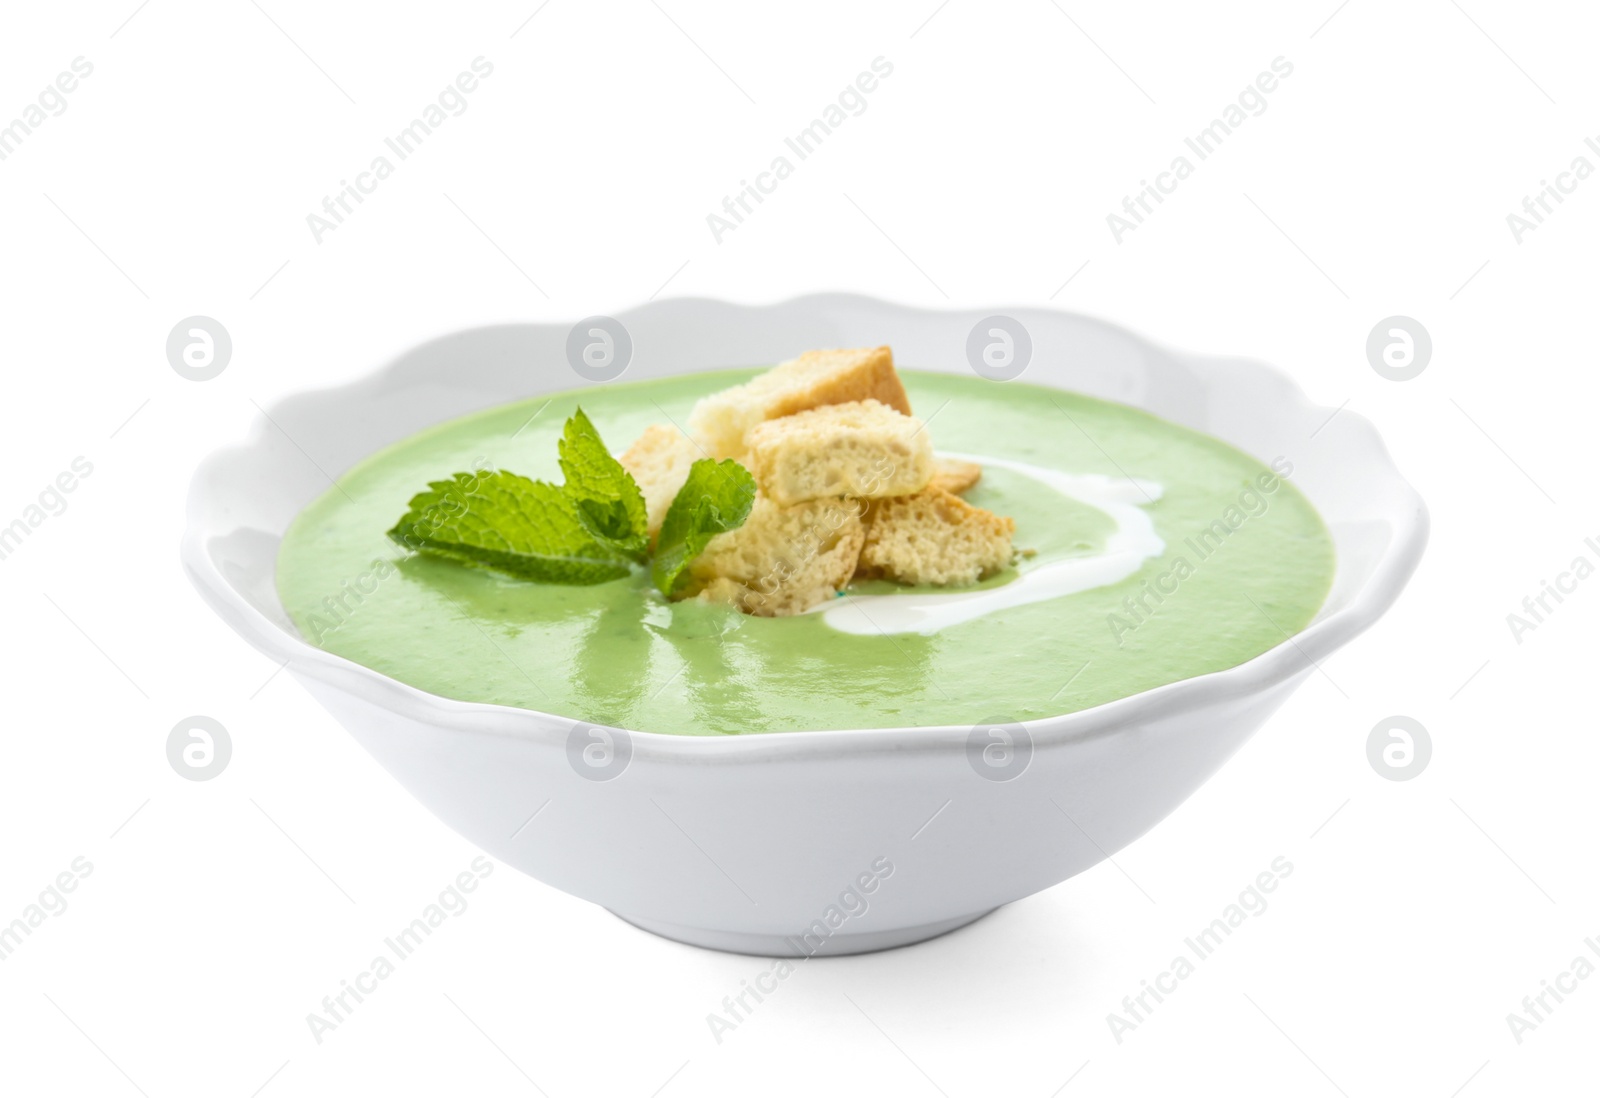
[[178, 181]]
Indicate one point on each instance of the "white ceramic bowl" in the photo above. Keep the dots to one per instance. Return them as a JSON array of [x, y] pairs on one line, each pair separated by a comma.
[[759, 843]]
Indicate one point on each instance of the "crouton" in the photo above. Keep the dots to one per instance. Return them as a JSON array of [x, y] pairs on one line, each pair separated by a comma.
[[934, 537], [864, 450], [719, 422], [659, 461], [783, 560], [954, 476]]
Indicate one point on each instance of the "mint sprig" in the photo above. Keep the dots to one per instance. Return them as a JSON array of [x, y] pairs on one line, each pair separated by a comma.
[[591, 529], [716, 498]]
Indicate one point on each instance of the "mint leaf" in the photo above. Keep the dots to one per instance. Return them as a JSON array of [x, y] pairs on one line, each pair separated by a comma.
[[608, 501], [716, 498], [508, 523]]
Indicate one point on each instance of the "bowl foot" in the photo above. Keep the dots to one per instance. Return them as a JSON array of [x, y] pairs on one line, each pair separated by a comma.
[[839, 944]]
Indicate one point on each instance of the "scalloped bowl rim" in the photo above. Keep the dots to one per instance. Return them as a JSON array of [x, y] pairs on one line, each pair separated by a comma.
[[1285, 660]]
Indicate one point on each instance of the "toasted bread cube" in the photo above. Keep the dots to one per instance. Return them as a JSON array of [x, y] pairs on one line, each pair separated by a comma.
[[954, 476], [864, 450], [659, 461], [783, 560], [934, 537], [719, 422]]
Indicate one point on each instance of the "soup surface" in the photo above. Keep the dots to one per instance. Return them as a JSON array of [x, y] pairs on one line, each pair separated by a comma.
[[1152, 553]]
